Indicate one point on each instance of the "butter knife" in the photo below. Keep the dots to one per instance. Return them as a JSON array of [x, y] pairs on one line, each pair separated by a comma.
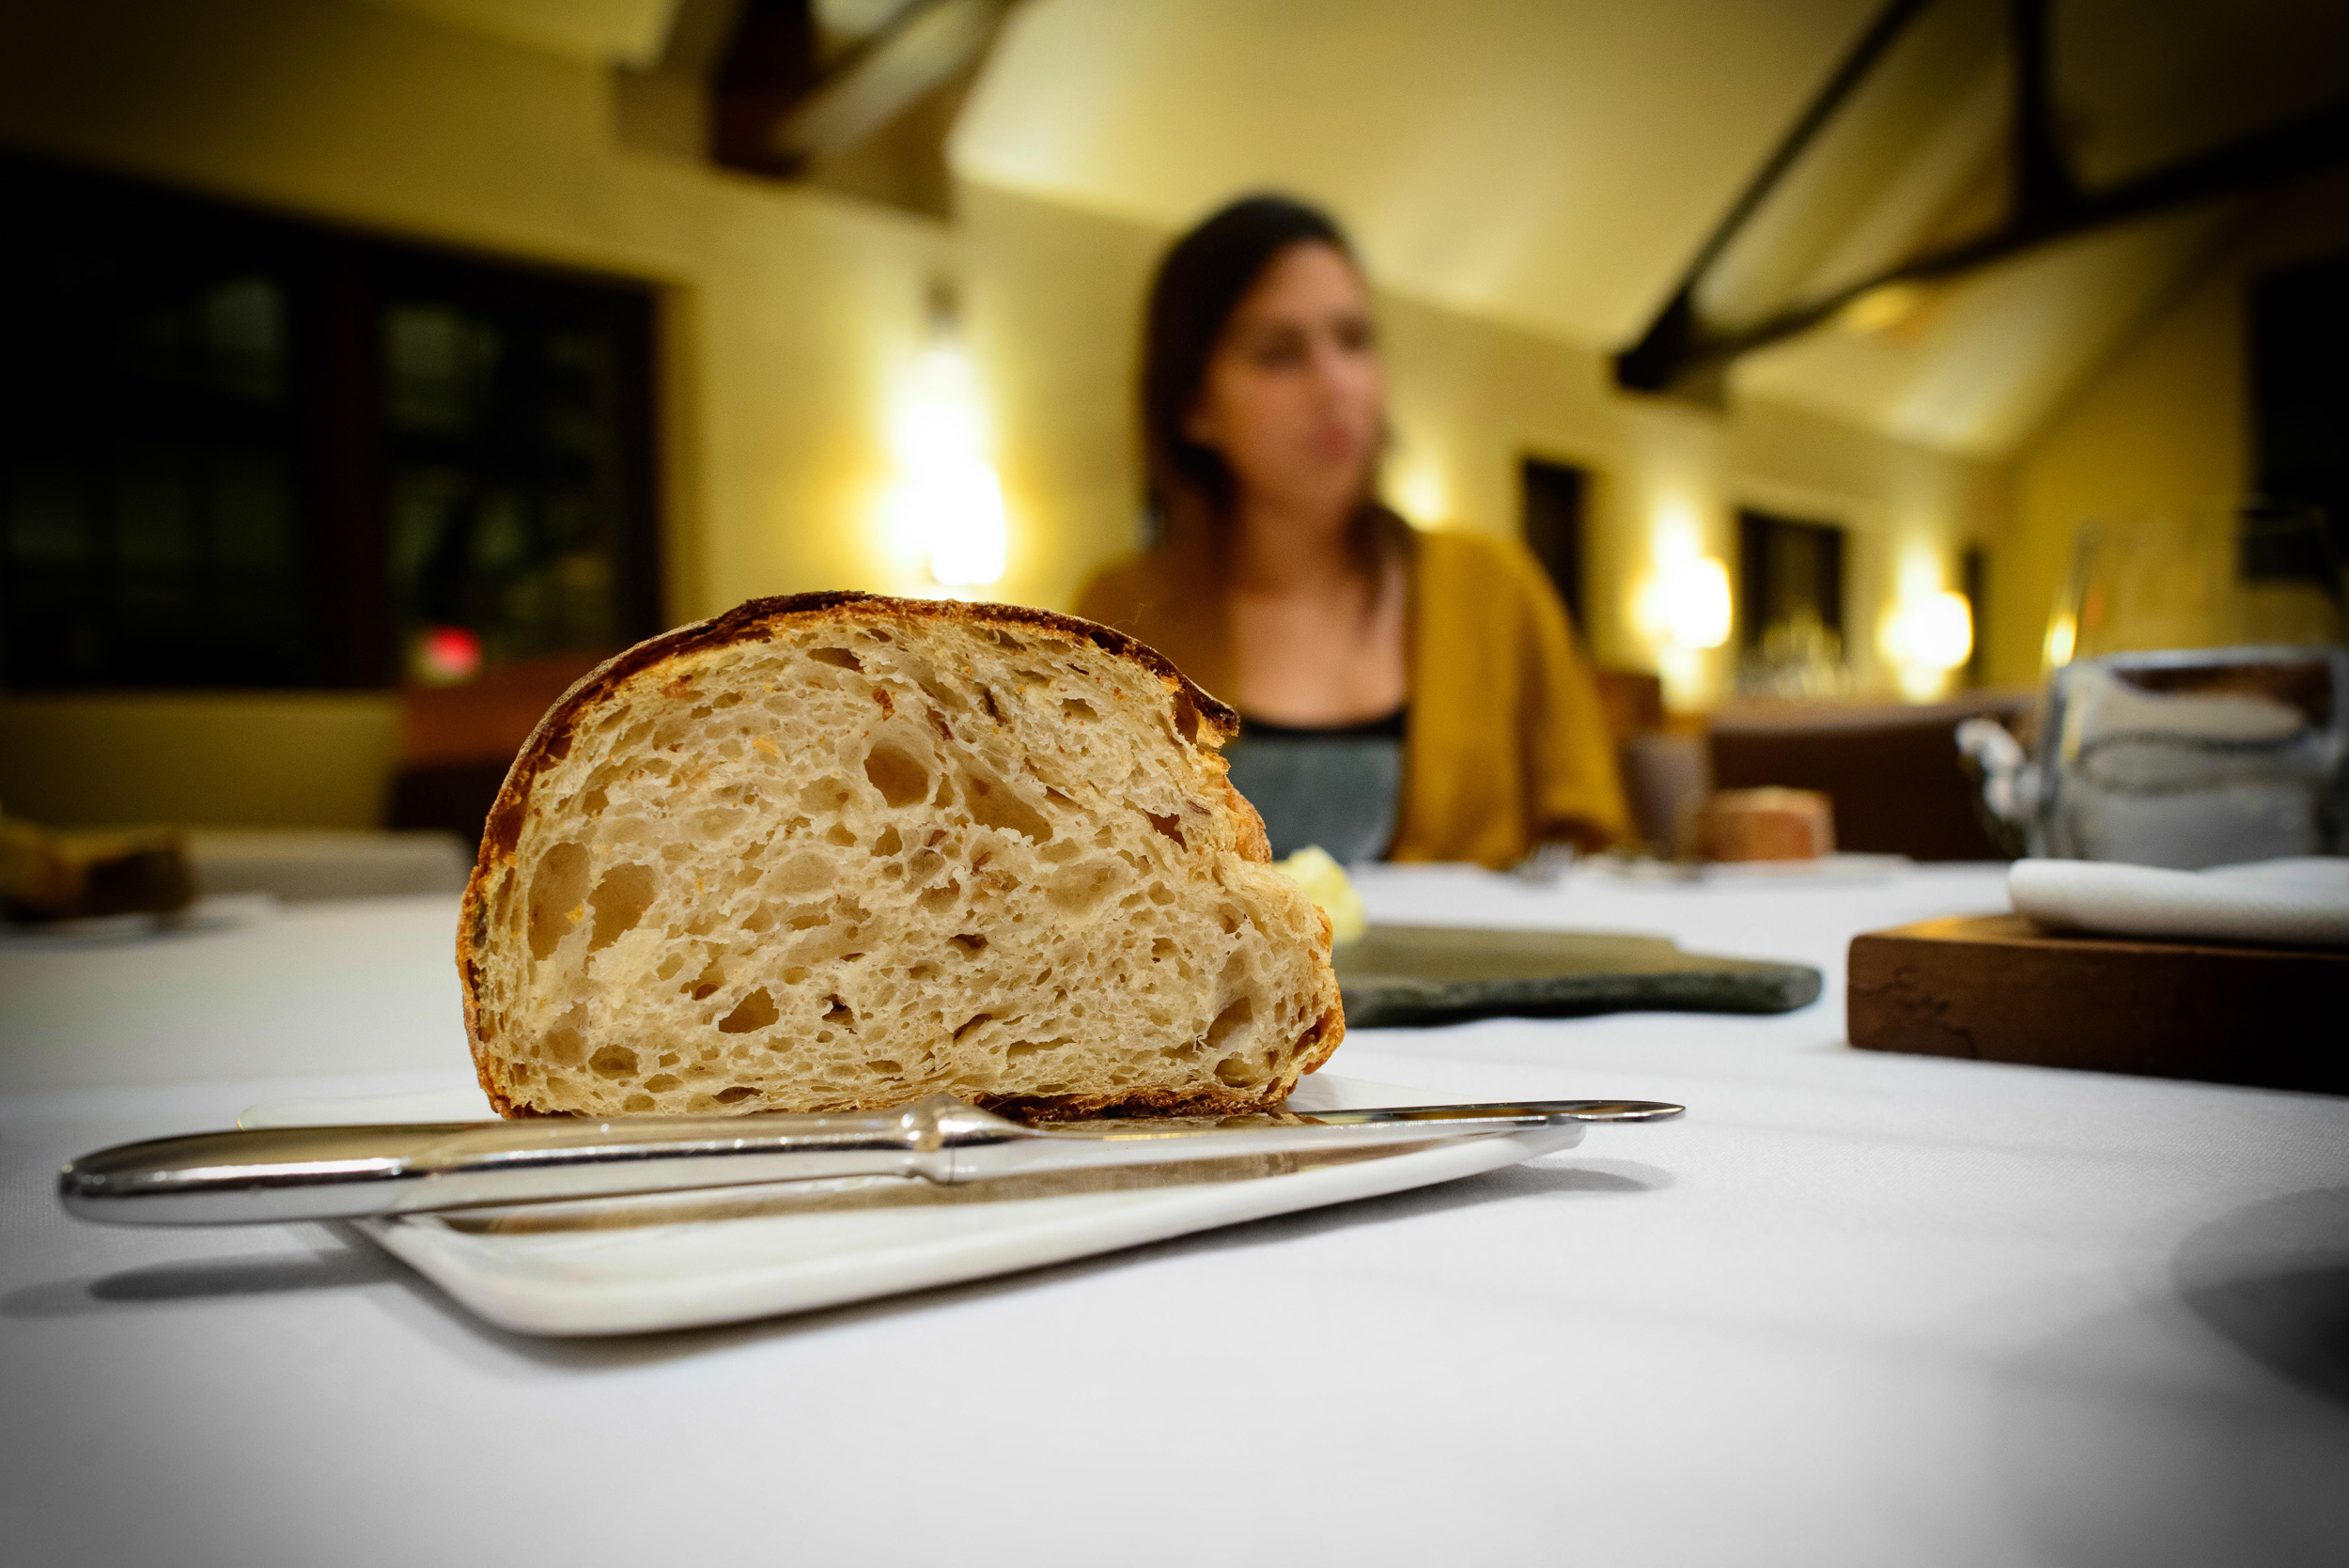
[[270, 1175]]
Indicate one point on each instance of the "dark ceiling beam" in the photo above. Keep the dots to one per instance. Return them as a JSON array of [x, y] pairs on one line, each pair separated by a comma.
[[2044, 187], [772, 60], [1661, 357], [2300, 148], [1682, 354], [781, 107], [923, 45]]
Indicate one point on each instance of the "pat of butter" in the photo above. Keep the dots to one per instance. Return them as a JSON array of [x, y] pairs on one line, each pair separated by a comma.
[[1324, 882]]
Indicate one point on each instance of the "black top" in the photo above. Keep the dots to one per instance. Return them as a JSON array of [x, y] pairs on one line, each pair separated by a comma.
[[1387, 726], [1339, 786]]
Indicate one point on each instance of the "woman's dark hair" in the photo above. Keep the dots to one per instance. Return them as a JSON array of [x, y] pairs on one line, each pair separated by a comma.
[[1201, 280]]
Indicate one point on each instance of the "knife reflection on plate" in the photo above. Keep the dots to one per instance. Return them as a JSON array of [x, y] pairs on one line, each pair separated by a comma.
[[339, 1172]]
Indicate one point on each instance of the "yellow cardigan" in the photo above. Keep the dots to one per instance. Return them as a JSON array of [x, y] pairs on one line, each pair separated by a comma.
[[1506, 746]]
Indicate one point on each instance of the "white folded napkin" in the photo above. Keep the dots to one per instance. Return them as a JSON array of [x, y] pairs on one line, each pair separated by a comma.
[[2302, 902]]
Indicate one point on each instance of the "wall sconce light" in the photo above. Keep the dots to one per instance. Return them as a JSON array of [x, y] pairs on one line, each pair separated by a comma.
[[1692, 603], [1927, 637], [1419, 492], [948, 502]]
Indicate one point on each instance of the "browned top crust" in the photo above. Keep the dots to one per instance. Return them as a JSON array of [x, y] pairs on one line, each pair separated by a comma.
[[755, 619], [752, 621]]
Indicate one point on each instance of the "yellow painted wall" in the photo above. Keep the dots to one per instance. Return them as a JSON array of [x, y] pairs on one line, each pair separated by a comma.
[[2167, 421], [788, 315]]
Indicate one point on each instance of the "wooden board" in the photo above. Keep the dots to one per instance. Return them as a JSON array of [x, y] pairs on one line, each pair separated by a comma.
[[1434, 974], [2001, 989]]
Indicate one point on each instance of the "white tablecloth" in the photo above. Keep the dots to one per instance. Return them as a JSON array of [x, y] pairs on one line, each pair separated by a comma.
[[1856, 1309]]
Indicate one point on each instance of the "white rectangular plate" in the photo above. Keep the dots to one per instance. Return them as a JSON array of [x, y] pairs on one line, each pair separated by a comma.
[[676, 1261]]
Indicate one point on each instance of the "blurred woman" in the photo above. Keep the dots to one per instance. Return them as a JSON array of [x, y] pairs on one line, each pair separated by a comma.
[[1416, 696]]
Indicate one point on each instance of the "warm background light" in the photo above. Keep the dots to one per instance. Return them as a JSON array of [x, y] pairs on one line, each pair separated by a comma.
[[946, 506], [2062, 633], [445, 656], [1682, 610], [1417, 490], [1941, 631], [1696, 604], [1925, 637], [1932, 632]]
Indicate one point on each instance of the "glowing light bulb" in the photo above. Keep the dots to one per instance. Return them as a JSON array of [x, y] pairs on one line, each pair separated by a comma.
[[1937, 631], [1696, 605], [1925, 637], [967, 543], [937, 417], [947, 503]]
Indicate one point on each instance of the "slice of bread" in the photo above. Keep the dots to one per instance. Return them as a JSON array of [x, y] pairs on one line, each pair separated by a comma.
[[1761, 824], [836, 852]]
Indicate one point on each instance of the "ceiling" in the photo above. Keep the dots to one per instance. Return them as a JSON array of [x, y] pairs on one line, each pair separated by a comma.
[[623, 32], [630, 32], [1557, 165]]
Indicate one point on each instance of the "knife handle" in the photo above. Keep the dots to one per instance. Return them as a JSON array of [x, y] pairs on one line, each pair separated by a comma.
[[276, 1174]]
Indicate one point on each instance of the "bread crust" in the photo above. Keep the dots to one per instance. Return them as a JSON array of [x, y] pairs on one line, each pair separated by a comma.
[[1202, 717]]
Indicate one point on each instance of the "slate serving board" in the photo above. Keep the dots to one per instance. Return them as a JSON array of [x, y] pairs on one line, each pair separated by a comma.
[[1437, 974]]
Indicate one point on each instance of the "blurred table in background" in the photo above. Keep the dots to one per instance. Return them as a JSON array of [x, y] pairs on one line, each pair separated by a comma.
[[1856, 1309], [1893, 771], [303, 866], [455, 742]]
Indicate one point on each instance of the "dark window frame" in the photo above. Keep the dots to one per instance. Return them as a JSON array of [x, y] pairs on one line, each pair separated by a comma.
[[1554, 500], [331, 427], [2298, 341], [1973, 578], [1759, 534]]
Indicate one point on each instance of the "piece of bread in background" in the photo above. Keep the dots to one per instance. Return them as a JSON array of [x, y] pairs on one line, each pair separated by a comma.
[[1760, 825], [47, 876], [836, 852]]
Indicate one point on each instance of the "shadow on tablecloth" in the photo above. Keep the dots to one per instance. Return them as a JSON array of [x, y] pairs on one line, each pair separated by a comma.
[[2272, 1280], [2213, 1428]]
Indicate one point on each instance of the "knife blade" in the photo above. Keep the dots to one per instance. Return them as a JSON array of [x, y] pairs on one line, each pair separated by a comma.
[[271, 1175]]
